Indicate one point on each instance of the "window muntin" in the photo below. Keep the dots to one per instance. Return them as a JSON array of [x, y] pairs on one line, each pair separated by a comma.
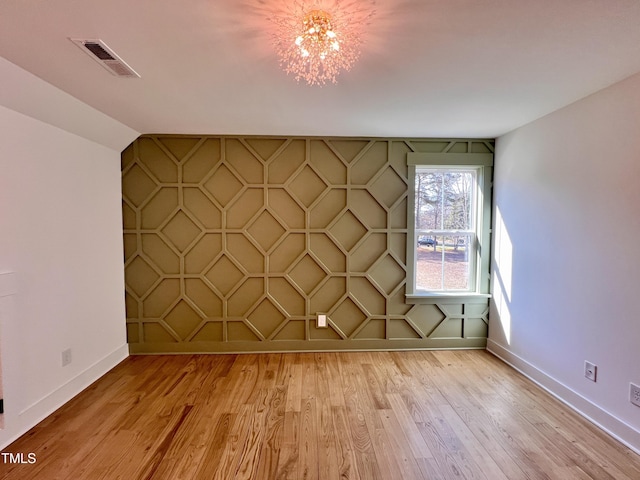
[[445, 230]]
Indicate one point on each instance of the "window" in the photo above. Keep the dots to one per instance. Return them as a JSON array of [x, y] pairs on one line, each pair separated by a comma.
[[445, 220], [448, 240]]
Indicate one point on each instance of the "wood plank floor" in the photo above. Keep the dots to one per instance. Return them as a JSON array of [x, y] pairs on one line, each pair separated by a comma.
[[383, 415]]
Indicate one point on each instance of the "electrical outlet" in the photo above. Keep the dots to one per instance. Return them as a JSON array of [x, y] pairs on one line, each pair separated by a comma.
[[66, 357], [590, 370], [321, 320], [634, 394]]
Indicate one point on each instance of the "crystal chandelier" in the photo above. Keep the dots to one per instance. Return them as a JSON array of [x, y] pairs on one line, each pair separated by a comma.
[[315, 45]]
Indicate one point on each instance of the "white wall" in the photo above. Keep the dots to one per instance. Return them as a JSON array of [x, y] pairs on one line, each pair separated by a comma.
[[60, 235], [566, 259], [25, 93]]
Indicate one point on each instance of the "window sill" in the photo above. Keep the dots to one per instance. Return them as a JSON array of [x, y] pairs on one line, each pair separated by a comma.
[[447, 298]]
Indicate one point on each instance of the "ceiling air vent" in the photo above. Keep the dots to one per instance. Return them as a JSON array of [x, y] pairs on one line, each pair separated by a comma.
[[106, 57]]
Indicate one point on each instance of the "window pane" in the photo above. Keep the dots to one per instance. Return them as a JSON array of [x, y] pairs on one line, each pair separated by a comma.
[[444, 199], [429, 200], [457, 196], [429, 264], [444, 262], [456, 262]]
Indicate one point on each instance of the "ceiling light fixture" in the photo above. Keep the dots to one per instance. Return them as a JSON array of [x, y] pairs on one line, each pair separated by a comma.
[[315, 45]]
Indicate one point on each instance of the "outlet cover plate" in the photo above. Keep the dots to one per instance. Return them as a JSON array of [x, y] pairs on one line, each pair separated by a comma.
[[66, 357], [590, 371], [634, 394]]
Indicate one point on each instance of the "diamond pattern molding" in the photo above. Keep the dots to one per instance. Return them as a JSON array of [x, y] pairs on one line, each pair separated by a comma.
[[234, 244]]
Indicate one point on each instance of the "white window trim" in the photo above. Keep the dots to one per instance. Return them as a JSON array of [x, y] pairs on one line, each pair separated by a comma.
[[484, 163]]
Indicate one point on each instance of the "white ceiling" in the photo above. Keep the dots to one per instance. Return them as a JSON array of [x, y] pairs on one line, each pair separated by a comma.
[[446, 68]]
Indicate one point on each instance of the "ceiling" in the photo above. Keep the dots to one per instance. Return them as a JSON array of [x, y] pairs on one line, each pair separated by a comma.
[[447, 68]]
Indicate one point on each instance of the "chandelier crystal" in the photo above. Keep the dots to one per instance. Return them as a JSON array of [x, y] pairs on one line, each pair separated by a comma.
[[315, 45]]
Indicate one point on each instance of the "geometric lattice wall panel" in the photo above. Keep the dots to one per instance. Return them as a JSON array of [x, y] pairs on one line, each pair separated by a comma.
[[236, 243]]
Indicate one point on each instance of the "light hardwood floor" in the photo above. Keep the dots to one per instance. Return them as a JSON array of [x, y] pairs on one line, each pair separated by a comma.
[[382, 415]]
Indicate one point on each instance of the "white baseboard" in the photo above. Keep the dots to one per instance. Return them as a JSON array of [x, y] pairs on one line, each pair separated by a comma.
[[609, 423], [41, 409]]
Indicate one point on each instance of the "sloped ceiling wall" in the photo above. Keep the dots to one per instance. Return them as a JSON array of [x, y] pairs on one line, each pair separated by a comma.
[[236, 243]]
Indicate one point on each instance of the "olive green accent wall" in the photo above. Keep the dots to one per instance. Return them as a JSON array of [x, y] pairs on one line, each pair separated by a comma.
[[234, 244]]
